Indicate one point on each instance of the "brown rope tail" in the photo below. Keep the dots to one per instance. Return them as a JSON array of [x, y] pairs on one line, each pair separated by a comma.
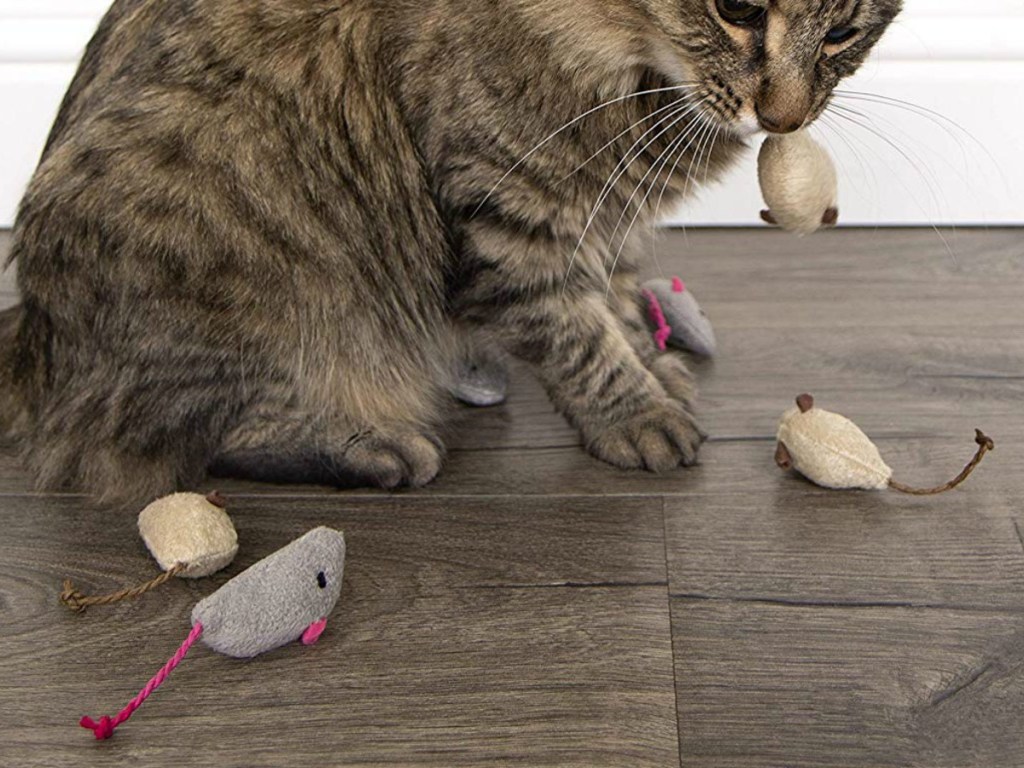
[[78, 602], [985, 444]]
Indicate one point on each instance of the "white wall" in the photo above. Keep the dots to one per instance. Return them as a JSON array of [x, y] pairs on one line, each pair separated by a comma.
[[961, 58]]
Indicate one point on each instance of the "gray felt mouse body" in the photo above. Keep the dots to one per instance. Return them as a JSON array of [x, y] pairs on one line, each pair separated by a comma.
[[481, 380], [677, 318], [282, 598]]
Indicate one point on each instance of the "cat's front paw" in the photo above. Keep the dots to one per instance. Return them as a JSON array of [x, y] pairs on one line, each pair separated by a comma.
[[394, 460], [660, 438]]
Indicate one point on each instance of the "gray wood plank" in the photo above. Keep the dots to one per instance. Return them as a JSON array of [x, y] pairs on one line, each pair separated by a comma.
[[764, 685], [481, 677], [467, 634], [787, 544]]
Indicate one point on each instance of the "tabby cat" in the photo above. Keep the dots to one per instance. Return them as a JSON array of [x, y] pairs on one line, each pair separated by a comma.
[[261, 229]]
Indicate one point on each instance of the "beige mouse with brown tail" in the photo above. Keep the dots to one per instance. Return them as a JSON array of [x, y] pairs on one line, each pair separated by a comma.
[[833, 452]]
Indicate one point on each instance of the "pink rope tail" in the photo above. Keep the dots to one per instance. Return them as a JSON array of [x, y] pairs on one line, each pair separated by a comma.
[[662, 331], [104, 729]]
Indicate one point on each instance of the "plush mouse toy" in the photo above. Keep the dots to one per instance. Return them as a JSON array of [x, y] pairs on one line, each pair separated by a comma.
[[798, 182], [282, 598], [481, 379], [189, 535], [832, 451], [677, 319]]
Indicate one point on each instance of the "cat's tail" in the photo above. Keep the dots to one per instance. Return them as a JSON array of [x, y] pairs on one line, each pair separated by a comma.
[[12, 399]]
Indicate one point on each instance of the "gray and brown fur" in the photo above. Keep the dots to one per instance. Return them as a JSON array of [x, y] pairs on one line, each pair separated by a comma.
[[261, 228]]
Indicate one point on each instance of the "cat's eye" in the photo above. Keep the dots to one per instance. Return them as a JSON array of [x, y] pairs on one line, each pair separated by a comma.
[[840, 35], [321, 580], [739, 13]]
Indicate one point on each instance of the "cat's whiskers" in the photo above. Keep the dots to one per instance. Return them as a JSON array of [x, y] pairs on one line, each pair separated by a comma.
[[700, 121], [635, 125], [953, 129], [671, 147], [711, 152], [695, 159], [570, 124], [632, 154], [865, 167], [624, 164], [680, 154], [851, 116], [907, 153], [913, 141], [942, 121], [660, 164]]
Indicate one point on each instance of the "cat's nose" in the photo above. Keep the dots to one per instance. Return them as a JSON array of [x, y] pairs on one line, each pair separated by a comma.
[[781, 123]]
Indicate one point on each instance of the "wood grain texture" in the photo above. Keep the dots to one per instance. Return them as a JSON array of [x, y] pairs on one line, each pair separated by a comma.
[[517, 611], [763, 685], [468, 633]]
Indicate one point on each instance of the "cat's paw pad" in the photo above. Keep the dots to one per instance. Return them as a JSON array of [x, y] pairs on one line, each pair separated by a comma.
[[660, 438], [395, 460]]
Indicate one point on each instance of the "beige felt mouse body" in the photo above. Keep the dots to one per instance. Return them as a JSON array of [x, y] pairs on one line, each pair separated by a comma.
[[829, 449], [798, 182], [833, 452], [189, 535], [191, 530]]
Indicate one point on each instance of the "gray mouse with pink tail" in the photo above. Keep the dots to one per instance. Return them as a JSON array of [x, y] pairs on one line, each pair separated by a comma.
[[283, 598], [676, 318]]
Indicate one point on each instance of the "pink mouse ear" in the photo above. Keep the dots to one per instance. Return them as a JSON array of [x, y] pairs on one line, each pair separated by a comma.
[[678, 286]]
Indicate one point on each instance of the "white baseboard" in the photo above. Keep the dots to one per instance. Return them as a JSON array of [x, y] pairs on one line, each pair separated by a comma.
[[964, 59]]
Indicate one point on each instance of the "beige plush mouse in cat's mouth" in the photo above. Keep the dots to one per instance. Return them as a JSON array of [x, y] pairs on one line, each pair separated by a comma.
[[798, 182]]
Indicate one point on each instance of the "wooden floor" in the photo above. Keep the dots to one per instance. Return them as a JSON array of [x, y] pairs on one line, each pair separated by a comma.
[[534, 607]]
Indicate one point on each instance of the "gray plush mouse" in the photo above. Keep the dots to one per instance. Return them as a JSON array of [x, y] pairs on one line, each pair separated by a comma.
[[481, 379], [677, 319], [282, 598]]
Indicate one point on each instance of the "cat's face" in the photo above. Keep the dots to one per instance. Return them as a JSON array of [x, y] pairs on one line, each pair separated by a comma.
[[769, 64]]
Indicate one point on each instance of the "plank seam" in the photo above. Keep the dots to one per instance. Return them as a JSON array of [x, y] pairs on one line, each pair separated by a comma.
[[844, 604]]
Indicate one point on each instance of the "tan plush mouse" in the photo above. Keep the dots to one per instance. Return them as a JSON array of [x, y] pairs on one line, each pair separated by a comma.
[[833, 452], [190, 535], [798, 182]]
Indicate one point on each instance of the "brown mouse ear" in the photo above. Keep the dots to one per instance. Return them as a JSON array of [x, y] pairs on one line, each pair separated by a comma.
[[805, 403], [217, 499]]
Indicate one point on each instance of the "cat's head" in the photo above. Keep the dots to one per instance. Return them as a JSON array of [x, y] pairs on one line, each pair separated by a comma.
[[767, 63]]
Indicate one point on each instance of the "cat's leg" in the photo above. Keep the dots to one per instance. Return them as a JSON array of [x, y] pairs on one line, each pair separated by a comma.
[[590, 368], [595, 377], [630, 306]]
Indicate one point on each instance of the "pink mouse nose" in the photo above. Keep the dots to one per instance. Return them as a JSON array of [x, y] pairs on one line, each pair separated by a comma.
[[313, 632]]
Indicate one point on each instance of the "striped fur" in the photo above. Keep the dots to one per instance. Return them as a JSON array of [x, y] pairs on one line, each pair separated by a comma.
[[262, 228]]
